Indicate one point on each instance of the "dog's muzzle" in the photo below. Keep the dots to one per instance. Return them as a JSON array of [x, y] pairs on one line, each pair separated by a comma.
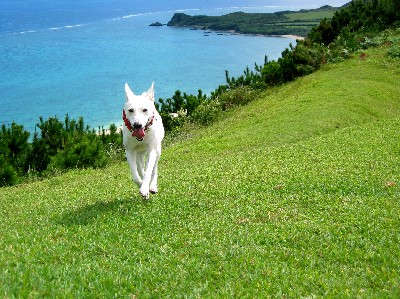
[[137, 130]]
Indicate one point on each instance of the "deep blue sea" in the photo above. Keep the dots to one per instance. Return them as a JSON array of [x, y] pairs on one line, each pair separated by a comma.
[[74, 56]]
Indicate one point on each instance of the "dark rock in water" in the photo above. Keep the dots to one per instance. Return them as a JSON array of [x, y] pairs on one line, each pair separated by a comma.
[[156, 24]]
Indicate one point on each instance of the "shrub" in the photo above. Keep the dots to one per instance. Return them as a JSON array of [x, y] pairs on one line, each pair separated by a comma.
[[207, 112], [87, 152], [53, 134], [249, 78], [272, 73], [371, 42], [179, 102], [39, 155], [112, 141], [14, 146], [237, 97], [8, 175], [394, 51], [172, 121], [58, 146]]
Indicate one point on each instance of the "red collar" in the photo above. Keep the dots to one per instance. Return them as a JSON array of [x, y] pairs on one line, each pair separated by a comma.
[[130, 127]]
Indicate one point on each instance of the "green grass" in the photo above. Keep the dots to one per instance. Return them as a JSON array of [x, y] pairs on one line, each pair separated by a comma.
[[311, 15], [294, 195]]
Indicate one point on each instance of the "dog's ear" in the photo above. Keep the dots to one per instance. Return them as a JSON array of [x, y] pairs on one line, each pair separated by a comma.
[[150, 93], [128, 92]]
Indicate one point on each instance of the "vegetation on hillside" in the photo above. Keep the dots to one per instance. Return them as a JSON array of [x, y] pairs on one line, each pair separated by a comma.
[[58, 146], [279, 23], [71, 144]]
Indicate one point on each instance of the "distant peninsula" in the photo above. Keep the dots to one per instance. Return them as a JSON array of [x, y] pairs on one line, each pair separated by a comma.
[[297, 23]]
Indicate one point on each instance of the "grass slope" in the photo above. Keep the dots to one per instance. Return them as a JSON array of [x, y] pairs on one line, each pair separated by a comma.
[[295, 195]]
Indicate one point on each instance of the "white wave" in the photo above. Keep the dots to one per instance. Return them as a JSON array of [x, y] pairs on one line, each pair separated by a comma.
[[66, 27], [242, 7], [188, 9], [51, 28], [135, 15], [25, 32], [74, 26], [131, 16], [154, 13]]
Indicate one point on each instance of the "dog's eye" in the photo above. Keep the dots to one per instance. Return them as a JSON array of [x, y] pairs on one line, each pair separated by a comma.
[[144, 110], [130, 110]]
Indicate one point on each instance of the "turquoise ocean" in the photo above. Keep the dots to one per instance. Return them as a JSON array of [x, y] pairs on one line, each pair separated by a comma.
[[69, 56]]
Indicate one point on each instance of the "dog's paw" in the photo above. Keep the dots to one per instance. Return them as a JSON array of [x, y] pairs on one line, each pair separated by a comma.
[[144, 191], [153, 189]]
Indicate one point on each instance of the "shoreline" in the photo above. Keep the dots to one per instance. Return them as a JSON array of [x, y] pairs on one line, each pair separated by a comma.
[[296, 37], [291, 36], [233, 32]]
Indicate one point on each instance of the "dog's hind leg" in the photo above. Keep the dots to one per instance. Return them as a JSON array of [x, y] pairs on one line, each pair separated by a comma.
[[133, 165]]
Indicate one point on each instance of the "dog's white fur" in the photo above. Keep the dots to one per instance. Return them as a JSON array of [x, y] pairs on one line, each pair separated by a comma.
[[143, 155]]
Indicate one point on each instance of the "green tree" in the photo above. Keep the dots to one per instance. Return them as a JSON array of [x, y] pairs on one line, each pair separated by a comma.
[[8, 175], [14, 145], [87, 151], [53, 133], [14, 148], [39, 154]]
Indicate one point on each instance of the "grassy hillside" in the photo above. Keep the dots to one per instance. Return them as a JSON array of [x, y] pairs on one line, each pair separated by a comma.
[[295, 195]]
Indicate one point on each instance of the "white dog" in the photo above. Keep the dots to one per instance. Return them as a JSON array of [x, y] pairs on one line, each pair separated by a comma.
[[142, 133]]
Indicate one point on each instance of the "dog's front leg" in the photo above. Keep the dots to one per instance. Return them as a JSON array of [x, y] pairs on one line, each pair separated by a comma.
[[154, 177], [151, 161], [140, 164], [133, 165]]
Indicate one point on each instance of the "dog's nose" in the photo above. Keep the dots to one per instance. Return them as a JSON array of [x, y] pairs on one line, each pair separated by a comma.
[[137, 126]]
